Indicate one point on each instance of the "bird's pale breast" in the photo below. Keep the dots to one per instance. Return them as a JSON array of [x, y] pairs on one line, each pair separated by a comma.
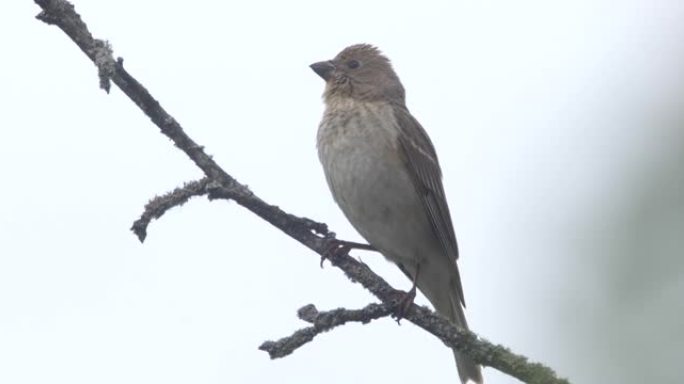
[[358, 147]]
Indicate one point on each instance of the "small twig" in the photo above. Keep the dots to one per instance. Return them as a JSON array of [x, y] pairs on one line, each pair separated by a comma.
[[322, 322], [156, 207]]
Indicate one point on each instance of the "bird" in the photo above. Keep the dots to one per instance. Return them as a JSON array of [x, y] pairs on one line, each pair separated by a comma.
[[382, 170]]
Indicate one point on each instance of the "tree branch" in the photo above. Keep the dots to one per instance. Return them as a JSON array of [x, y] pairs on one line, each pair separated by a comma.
[[313, 235], [158, 206], [322, 322]]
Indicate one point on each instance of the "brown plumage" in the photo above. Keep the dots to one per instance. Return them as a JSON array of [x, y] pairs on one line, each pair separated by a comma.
[[383, 172]]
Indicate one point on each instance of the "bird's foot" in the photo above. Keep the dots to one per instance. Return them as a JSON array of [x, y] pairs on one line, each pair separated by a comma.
[[335, 248], [402, 304]]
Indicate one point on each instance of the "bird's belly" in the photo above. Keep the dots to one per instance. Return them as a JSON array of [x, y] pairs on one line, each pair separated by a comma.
[[372, 186]]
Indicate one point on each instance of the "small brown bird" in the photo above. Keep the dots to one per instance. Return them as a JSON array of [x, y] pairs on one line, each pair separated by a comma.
[[383, 172]]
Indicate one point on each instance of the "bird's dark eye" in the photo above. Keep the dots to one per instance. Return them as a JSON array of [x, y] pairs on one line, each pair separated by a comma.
[[353, 64]]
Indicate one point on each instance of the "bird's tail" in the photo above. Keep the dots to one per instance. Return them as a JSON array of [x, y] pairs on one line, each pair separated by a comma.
[[449, 306], [467, 368]]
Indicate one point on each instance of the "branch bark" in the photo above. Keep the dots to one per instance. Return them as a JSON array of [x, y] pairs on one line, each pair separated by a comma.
[[160, 204], [322, 322], [313, 235]]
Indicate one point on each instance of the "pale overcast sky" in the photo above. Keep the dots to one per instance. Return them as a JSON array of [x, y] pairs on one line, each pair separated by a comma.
[[557, 125]]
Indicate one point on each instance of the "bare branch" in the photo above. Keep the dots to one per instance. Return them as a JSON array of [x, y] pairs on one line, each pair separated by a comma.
[[322, 322], [315, 236], [156, 207]]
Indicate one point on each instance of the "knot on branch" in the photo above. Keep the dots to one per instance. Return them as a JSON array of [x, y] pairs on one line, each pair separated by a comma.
[[104, 60]]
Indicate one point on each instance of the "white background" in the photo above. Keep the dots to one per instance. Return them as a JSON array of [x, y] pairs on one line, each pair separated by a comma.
[[560, 135]]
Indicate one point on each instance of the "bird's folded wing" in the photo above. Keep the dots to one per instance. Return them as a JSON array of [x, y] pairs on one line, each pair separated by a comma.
[[421, 159]]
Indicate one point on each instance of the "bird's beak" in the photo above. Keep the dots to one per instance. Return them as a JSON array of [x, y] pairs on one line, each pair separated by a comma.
[[323, 69]]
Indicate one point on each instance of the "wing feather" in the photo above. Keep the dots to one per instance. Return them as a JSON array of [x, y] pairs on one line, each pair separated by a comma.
[[421, 159]]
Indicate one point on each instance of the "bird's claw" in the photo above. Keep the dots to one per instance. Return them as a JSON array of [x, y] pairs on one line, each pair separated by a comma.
[[402, 304], [334, 248]]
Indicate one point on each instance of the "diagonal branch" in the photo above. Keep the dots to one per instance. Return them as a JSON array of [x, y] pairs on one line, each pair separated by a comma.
[[315, 236]]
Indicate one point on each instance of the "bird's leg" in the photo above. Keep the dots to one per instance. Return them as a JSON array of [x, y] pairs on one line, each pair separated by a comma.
[[355, 245], [336, 247], [407, 298]]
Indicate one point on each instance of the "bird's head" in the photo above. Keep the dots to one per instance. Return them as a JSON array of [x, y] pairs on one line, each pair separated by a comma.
[[360, 72]]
